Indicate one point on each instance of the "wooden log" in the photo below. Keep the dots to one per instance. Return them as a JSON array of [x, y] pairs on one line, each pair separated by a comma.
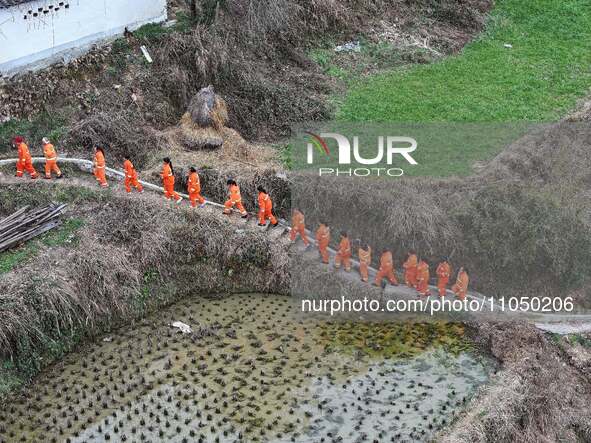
[[31, 233], [17, 214], [27, 219], [26, 224]]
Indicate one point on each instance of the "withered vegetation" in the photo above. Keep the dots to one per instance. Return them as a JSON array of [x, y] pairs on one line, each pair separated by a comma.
[[132, 255]]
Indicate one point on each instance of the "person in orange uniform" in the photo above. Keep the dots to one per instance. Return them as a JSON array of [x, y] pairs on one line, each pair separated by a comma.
[[344, 253], [167, 175], [25, 161], [194, 189], [298, 226], [386, 269], [423, 278], [50, 159], [99, 166], [265, 208], [410, 269], [364, 261], [323, 239], [443, 273], [461, 286], [131, 177], [235, 199]]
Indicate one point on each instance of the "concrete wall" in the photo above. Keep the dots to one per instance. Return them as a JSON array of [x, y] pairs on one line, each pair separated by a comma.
[[31, 38]]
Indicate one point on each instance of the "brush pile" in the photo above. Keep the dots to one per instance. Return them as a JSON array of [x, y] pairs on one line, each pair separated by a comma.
[[27, 223]]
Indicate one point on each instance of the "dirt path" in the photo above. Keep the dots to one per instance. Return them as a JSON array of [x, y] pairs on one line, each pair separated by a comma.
[[490, 309]]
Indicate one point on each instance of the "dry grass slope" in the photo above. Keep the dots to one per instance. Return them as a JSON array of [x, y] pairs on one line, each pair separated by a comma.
[[133, 255], [539, 396], [522, 225]]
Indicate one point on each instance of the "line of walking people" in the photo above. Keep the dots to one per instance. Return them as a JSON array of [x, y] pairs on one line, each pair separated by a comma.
[[131, 180], [416, 271], [25, 160]]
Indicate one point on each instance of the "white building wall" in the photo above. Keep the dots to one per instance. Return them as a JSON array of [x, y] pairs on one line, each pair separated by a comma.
[[30, 38]]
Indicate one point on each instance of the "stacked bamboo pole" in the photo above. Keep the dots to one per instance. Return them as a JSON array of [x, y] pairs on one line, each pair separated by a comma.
[[27, 223]]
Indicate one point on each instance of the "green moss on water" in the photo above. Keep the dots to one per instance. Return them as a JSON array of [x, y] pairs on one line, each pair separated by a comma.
[[259, 373], [394, 340]]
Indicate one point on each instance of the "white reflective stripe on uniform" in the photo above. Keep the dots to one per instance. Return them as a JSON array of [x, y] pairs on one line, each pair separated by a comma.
[[51, 159]]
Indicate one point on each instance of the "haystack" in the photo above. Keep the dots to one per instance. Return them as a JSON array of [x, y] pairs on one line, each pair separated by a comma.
[[204, 121], [195, 138], [208, 109]]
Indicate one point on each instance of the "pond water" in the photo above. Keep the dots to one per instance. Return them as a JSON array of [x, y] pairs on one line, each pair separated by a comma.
[[253, 369]]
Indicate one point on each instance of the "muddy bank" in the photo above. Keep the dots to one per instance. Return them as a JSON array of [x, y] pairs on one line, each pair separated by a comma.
[[252, 369]]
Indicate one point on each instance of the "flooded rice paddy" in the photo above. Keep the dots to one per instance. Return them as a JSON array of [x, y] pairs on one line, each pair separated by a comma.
[[252, 370]]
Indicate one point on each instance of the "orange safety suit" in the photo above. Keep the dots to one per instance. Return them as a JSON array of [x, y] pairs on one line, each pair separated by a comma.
[[423, 278], [323, 239], [298, 226], [194, 189], [25, 161], [343, 255], [50, 161], [131, 177], [266, 209], [386, 269], [410, 271], [168, 182], [443, 272], [461, 286], [99, 168], [364, 262], [234, 200]]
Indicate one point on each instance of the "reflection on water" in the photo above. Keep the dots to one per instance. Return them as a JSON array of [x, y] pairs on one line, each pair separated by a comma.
[[252, 370]]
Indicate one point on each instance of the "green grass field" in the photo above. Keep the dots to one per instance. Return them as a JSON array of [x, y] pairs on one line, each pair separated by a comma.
[[539, 79]]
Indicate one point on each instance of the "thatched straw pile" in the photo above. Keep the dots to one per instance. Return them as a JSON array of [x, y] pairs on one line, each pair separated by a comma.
[[208, 110], [196, 138], [202, 126]]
